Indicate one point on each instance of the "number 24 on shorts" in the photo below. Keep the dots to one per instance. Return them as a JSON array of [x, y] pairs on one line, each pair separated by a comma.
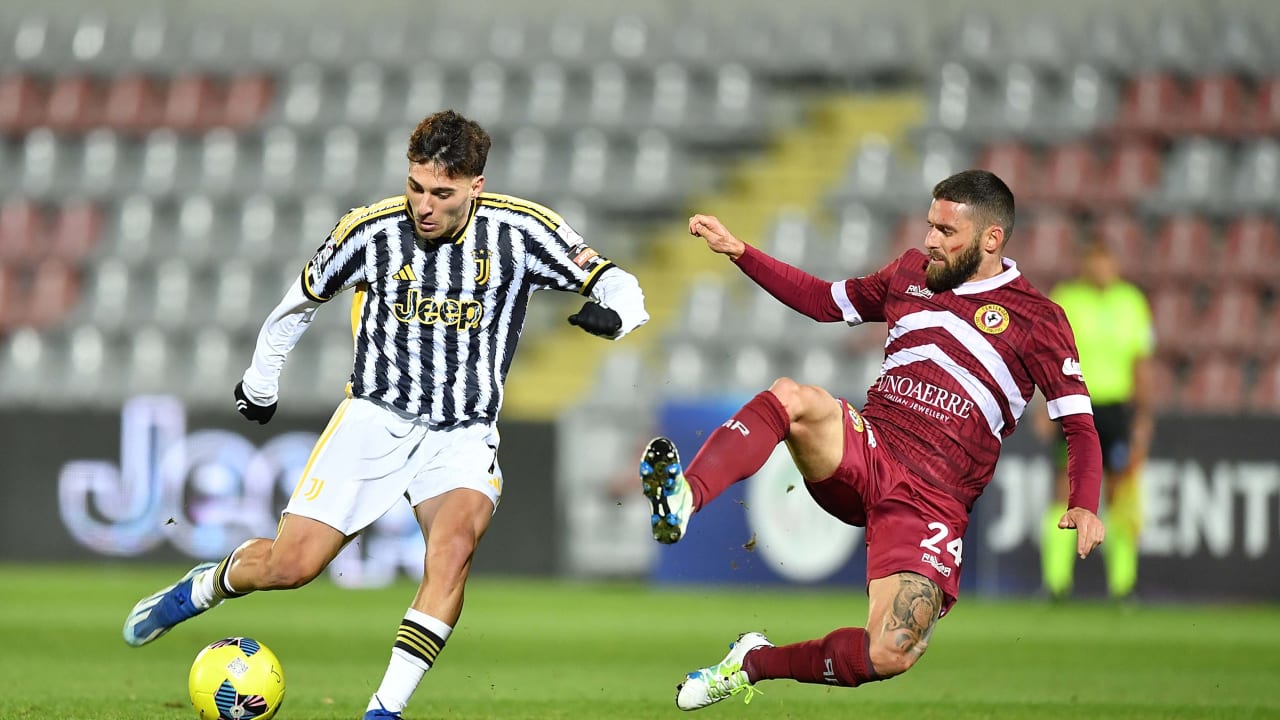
[[954, 547]]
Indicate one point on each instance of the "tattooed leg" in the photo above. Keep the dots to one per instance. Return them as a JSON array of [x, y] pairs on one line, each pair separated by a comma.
[[904, 611]]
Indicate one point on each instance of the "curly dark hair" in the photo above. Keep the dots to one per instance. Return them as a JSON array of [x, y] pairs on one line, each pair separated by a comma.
[[460, 146], [990, 198]]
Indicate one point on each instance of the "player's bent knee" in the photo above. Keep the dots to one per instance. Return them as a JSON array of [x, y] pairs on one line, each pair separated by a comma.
[[451, 553], [289, 572]]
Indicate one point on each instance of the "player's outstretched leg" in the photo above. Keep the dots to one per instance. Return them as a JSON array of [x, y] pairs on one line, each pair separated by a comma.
[[157, 613], [669, 494], [712, 684]]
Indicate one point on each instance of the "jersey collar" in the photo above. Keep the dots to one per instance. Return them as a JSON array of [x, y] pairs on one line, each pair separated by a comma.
[[1009, 274]]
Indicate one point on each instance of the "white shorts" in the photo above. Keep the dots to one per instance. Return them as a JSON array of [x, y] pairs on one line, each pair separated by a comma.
[[370, 456]]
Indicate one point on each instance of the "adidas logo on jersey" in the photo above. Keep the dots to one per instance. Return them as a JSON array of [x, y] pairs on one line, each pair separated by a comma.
[[406, 274]]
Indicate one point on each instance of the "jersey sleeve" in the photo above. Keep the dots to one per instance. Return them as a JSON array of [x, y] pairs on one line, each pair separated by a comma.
[[862, 299], [340, 262], [559, 258], [1054, 365]]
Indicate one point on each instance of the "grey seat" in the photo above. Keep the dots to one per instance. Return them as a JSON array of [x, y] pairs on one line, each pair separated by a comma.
[[1255, 180], [148, 361], [1194, 176]]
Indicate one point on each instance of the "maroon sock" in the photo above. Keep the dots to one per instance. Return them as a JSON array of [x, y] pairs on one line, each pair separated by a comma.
[[843, 658], [738, 448]]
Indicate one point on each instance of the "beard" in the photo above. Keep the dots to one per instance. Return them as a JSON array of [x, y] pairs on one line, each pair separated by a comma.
[[952, 273]]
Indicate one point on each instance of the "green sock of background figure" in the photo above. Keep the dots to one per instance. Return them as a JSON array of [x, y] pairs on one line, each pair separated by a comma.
[[1119, 551], [1057, 553]]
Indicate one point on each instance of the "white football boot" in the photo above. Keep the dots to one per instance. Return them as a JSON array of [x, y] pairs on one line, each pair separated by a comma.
[[712, 684], [668, 492]]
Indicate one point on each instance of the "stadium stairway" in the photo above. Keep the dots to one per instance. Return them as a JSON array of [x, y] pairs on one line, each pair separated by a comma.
[[557, 370]]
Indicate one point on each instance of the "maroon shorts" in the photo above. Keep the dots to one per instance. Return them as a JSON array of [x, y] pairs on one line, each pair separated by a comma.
[[912, 525]]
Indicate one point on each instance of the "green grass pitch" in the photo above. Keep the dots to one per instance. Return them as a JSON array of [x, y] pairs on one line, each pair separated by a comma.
[[543, 649]]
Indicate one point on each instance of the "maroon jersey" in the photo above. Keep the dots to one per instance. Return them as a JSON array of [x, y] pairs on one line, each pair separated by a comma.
[[960, 366]]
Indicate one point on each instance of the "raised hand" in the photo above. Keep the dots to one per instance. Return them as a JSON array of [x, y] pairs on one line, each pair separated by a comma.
[[718, 237]]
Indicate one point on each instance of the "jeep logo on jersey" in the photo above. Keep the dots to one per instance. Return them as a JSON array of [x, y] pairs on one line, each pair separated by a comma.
[[458, 314], [991, 319]]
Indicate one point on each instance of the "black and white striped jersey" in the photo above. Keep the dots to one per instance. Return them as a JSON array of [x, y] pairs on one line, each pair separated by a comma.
[[436, 323]]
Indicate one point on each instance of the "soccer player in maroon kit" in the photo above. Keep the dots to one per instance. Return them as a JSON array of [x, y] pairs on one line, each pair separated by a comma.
[[969, 341]]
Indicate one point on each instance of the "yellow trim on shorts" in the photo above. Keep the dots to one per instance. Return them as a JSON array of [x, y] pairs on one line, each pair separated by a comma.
[[324, 438]]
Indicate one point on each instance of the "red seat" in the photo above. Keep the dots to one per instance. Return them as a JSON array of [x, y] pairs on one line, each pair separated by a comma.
[[53, 293], [1263, 117], [1214, 383], [22, 103], [1230, 323], [1264, 394], [75, 232], [1251, 250], [1216, 105], [1046, 248], [1131, 172], [248, 97], [1126, 238], [1173, 313], [193, 103], [1071, 174], [1183, 249], [1165, 386], [22, 232], [12, 307], [1152, 105], [1269, 333], [1013, 162], [133, 104], [74, 104]]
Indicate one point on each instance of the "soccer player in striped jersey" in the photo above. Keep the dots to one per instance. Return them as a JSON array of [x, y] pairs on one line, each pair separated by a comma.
[[969, 341], [442, 277]]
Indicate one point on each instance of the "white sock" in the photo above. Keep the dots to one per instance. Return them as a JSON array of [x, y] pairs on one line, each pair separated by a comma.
[[405, 670], [202, 594]]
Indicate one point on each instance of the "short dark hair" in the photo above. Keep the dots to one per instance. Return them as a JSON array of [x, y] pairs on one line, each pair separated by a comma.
[[990, 198], [460, 146]]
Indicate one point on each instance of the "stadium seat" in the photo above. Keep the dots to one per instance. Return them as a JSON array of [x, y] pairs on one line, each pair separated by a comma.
[[1215, 106], [1071, 175], [23, 227], [957, 103], [1086, 102], [1126, 237], [1046, 248], [253, 227], [12, 299], [1183, 249], [76, 230], [1174, 315], [201, 232], [281, 162], [1020, 105], [164, 163], [111, 297], [130, 237], [1174, 42], [134, 104], [1152, 105], [868, 172], [53, 292], [1166, 387], [1237, 45], [1230, 323], [150, 365], [25, 366], [1251, 251], [43, 164], [589, 162], [486, 94], [860, 238], [248, 97], [687, 371], [1255, 182], [106, 163], [1214, 384], [90, 362], [1015, 163], [340, 160], [1042, 41], [546, 95], [171, 294], [1108, 40], [303, 97], [1130, 172], [194, 103], [74, 104], [23, 100], [975, 42], [1269, 338], [1194, 177], [206, 356], [1264, 116], [1264, 392]]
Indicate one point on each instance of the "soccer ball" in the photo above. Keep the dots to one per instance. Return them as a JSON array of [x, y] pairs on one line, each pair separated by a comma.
[[236, 678]]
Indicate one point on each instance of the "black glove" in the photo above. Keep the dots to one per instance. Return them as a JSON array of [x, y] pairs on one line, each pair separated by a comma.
[[247, 408], [597, 320]]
